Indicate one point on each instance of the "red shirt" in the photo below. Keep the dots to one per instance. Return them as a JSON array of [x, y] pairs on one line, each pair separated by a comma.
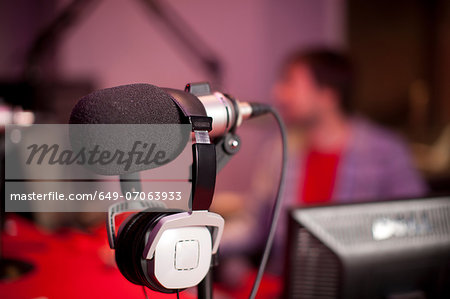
[[319, 177]]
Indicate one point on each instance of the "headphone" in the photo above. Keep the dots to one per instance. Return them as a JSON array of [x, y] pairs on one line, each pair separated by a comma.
[[169, 250], [165, 250]]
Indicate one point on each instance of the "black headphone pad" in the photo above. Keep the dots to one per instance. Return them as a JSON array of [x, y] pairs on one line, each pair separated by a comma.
[[130, 246]]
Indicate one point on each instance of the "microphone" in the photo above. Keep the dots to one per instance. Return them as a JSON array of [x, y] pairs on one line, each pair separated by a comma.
[[127, 104], [132, 104], [149, 104], [136, 104]]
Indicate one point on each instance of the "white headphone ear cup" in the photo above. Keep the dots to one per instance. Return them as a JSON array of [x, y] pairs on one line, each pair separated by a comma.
[[182, 257]]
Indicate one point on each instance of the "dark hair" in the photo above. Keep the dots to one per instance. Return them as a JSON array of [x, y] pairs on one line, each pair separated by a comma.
[[330, 69]]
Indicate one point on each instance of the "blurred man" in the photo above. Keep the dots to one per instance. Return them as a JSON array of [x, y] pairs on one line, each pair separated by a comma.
[[334, 157], [342, 158]]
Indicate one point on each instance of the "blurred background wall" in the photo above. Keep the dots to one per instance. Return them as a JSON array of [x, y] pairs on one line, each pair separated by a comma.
[[401, 49], [402, 53], [118, 42]]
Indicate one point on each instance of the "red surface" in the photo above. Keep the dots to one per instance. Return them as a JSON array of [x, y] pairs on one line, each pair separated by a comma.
[[320, 177], [68, 264], [73, 264]]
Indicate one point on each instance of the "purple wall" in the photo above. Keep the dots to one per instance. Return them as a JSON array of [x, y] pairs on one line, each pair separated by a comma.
[[118, 42]]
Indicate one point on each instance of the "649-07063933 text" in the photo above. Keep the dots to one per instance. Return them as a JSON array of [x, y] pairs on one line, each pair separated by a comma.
[[103, 196]]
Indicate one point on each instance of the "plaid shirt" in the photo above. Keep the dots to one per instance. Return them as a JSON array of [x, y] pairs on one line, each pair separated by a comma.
[[376, 165]]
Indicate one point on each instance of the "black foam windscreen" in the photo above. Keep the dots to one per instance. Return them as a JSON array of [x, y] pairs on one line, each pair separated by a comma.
[[114, 120], [128, 104]]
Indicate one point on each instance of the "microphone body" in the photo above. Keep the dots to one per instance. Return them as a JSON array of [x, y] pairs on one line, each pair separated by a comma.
[[149, 104], [227, 113]]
